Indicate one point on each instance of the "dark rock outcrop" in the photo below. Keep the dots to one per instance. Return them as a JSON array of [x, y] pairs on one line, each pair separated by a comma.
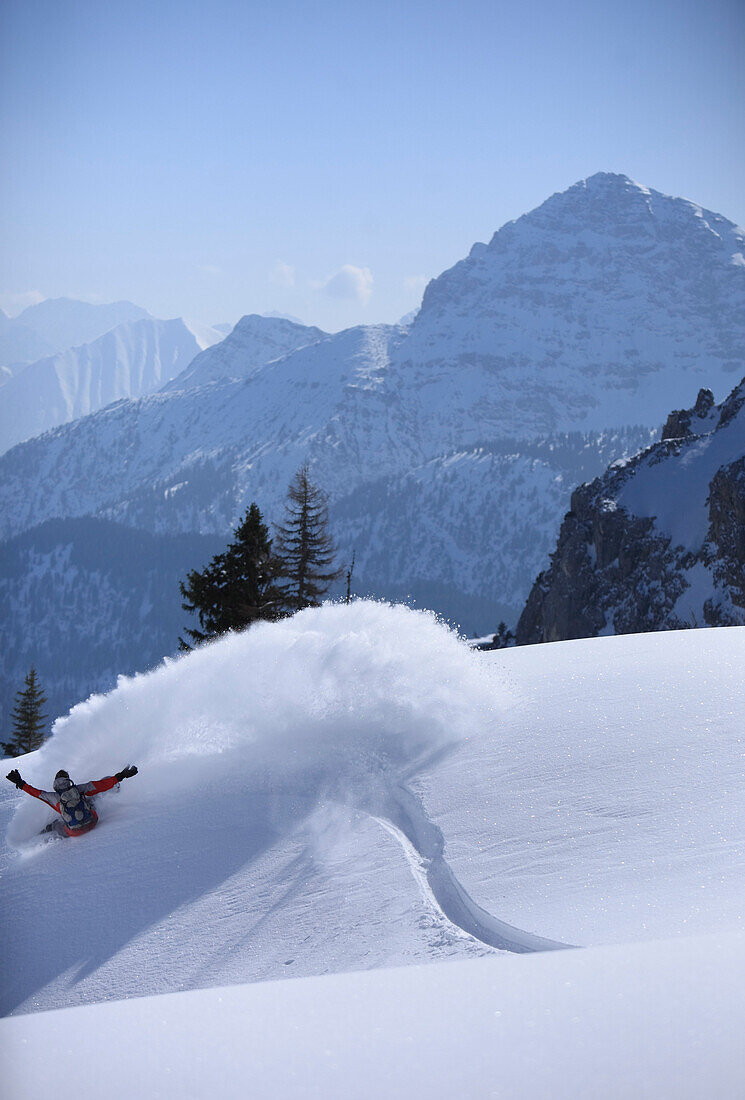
[[685, 423], [724, 550], [657, 542]]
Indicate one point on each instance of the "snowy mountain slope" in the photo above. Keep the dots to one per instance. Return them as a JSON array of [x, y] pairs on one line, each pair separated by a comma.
[[655, 1019], [657, 542], [264, 424], [65, 322], [359, 789], [132, 359], [464, 532], [607, 797], [593, 309], [253, 342], [84, 601], [429, 532], [641, 294]]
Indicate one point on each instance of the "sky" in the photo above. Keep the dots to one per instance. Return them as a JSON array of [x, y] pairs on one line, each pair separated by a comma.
[[326, 159]]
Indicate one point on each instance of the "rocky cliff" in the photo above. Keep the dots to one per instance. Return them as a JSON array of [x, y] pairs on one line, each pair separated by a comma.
[[657, 542]]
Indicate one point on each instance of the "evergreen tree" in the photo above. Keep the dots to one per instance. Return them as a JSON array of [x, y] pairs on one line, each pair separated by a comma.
[[28, 721], [237, 587], [504, 637], [304, 545]]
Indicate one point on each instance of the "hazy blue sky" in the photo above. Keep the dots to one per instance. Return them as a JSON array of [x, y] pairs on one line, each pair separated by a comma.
[[325, 159]]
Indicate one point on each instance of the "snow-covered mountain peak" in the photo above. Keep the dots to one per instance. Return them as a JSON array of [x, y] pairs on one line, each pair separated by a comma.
[[610, 185], [616, 207], [67, 322], [132, 359], [259, 324], [254, 342], [58, 323], [604, 298]]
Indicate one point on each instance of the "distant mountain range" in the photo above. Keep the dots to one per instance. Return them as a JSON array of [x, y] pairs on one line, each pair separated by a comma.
[[59, 323], [132, 359], [449, 446]]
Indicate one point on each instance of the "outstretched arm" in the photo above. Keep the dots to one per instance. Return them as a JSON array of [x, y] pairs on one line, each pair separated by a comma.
[[98, 786], [49, 797]]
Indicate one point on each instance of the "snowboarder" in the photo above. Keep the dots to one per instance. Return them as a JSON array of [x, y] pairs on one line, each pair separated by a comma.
[[72, 801]]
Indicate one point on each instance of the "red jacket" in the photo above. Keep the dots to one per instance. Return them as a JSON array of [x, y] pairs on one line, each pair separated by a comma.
[[98, 786]]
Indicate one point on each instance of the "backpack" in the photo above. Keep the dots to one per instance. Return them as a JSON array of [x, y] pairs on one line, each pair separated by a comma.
[[74, 807]]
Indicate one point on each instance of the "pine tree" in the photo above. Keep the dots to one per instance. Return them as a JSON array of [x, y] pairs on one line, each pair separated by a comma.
[[28, 721], [503, 638], [237, 587], [304, 545]]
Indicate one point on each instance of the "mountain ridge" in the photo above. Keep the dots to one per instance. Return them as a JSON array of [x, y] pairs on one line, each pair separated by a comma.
[[54, 324], [131, 359], [253, 342], [552, 328]]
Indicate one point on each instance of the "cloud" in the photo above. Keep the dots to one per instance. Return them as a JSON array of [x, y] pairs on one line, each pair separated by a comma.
[[282, 274], [350, 282], [13, 304]]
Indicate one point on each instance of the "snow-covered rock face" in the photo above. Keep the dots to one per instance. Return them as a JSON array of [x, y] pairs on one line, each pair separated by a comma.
[[658, 542], [590, 311], [132, 359]]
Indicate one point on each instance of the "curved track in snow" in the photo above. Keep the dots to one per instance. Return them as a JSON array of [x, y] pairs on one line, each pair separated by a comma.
[[404, 816]]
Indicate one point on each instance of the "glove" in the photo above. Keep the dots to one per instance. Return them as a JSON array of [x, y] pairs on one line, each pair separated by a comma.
[[15, 777], [125, 773]]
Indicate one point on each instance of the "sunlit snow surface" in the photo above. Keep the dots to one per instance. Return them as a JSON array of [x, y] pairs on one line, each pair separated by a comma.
[[246, 847], [297, 780], [650, 1021]]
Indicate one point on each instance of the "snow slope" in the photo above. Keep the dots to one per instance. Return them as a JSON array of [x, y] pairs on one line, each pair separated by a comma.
[[653, 1020], [132, 359], [354, 788], [608, 804], [466, 532]]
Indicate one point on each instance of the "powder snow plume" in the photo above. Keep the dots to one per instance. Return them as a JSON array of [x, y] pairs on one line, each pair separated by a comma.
[[333, 697]]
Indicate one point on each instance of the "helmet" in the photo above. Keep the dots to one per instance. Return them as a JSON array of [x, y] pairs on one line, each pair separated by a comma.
[[62, 781]]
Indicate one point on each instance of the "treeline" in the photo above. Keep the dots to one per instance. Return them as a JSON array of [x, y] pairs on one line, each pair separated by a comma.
[[260, 578]]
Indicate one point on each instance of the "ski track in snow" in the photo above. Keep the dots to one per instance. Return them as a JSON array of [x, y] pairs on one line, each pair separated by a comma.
[[423, 843]]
